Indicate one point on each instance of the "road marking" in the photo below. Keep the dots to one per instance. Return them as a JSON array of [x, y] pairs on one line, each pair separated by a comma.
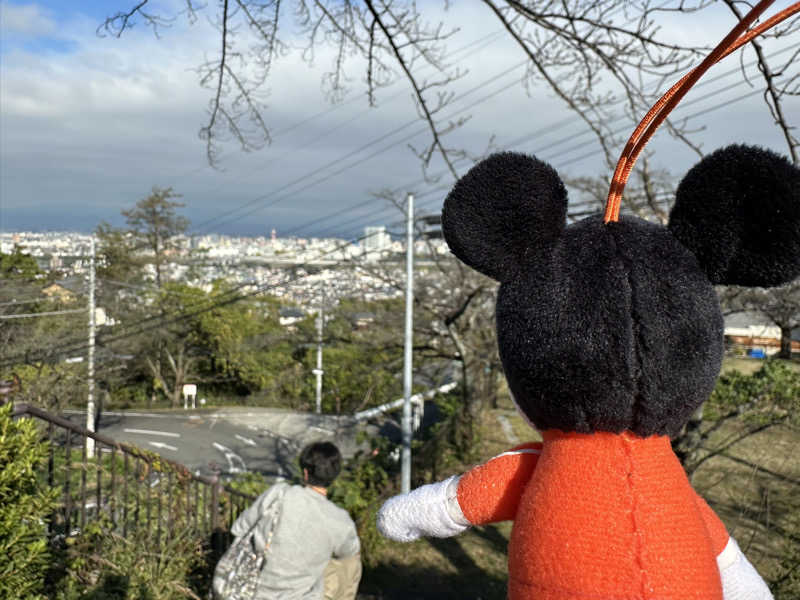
[[150, 432], [163, 445], [323, 430], [246, 440], [170, 415], [231, 457]]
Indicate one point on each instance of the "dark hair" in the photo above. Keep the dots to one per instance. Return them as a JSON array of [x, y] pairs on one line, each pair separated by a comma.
[[323, 461]]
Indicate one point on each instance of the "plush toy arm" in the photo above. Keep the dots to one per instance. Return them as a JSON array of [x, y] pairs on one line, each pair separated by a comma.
[[486, 494], [740, 580], [491, 492], [430, 510]]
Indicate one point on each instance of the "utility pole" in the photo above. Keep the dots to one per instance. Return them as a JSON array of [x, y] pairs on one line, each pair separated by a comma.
[[405, 472], [90, 359], [318, 371]]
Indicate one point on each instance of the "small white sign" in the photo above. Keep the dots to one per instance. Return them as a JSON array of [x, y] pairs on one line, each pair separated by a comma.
[[190, 389]]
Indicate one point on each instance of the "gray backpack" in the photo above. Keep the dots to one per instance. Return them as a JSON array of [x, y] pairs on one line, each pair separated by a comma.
[[237, 572]]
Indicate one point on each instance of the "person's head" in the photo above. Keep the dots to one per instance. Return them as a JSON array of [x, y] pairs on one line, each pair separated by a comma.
[[321, 463]]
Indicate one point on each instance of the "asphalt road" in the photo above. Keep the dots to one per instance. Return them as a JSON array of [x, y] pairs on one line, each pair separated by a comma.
[[231, 440]]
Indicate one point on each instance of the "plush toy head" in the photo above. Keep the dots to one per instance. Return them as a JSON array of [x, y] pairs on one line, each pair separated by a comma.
[[616, 326]]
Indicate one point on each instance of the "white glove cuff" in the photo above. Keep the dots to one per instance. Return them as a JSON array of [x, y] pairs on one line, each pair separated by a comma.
[[430, 510], [740, 580], [454, 511]]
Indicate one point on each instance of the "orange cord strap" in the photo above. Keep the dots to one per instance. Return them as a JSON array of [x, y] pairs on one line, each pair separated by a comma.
[[658, 113]]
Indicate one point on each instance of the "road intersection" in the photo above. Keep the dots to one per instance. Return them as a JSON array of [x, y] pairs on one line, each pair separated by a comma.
[[230, 440]]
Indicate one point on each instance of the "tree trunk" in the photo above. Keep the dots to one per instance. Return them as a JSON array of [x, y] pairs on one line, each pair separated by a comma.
[[687, 444], [786, 343]]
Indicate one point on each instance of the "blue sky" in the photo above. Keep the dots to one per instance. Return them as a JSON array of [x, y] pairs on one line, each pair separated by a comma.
[[89, 124]]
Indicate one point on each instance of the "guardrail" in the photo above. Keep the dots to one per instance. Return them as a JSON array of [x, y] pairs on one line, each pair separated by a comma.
[[134, 488], [417, 403]]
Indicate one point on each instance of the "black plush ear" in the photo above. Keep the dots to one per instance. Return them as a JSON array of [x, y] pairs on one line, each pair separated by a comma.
[[506, 209], [738, 211]]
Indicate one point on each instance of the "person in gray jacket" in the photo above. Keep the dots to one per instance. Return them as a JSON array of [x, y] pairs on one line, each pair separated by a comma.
[[315, 550]]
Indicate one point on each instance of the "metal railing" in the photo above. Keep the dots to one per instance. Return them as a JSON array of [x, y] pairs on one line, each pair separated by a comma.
[[417, 402], [131, 487]]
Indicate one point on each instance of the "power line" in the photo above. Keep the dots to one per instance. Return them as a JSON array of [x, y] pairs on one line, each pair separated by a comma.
[[551, 145], [322, 168], [550, 128], [50, 313], [29, 301], [491, 37], [258, 199]]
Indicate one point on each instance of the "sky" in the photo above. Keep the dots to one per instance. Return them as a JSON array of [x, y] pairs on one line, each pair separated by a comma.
[[89, 124]]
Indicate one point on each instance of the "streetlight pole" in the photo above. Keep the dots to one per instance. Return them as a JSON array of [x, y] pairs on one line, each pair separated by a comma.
[[405, 471], [90, 358], [318, 371]]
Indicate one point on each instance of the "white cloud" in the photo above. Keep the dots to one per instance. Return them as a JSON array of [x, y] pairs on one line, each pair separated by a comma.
[[25, 19]]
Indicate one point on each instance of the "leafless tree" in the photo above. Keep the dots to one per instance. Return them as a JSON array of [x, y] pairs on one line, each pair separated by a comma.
[[606, 60], [780, 305]]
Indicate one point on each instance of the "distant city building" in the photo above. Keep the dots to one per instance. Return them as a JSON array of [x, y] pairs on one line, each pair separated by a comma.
[[65, 290], [288, 316], [430, 226], [756, 334], [252, 264], [376, 239]]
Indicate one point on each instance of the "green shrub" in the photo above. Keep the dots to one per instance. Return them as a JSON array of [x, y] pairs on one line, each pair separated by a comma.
[[249, 483], [770, 394], [103, 565], [25, 507], [162, 557], [360, 489]]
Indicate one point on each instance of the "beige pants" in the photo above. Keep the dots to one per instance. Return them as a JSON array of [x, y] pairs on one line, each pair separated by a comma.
[[341, 578]]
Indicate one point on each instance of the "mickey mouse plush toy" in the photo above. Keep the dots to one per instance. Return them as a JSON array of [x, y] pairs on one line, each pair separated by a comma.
[[610, 336]]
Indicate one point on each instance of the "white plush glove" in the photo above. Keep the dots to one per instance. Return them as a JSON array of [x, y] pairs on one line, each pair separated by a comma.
[[431, 510], [740, 580]]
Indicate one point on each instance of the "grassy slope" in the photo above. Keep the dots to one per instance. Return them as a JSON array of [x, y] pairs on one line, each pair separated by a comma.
[[754, 504]]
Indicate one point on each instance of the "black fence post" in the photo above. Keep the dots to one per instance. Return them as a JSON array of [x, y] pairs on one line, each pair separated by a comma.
[[217, 542]]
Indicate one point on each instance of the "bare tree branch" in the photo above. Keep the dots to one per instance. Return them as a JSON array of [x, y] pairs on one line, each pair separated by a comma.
[[421, 100], [206, 132], [605, 60], [772, 96]]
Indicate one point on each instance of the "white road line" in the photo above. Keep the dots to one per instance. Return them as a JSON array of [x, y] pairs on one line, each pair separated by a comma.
[[323, 430], [220, 415], [163, 445], [246, 440], [231, 457], [150, 432]]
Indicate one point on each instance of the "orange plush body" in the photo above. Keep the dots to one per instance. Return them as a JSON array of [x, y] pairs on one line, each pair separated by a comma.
[[600, 515]]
